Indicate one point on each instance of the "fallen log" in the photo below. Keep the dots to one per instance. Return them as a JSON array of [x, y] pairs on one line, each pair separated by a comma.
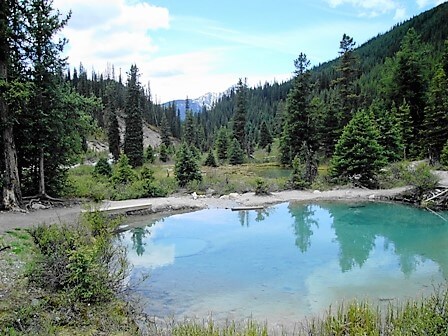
[[243, 208]]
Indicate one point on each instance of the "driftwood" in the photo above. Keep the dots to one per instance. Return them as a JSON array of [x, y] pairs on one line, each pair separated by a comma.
[[4, 248], [243, 208]]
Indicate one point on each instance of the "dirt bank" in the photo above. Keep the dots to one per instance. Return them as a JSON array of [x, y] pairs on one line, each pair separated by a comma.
[[11, 220]]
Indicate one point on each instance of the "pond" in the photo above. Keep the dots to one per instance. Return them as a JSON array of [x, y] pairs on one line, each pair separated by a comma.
[[288, 261]]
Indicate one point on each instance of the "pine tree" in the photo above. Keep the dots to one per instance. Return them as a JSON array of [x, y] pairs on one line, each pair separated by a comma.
[[358, 155], [239, 117], [345, 83], [222, 144], [210, 161], [149, 154], [189, 130], [435, 131], [405, 126], [388, 130], [265, 135], [133, 139], [186, 168], [11, 188], [165, 131], [163, 153], [299, 134], [408, 83], [444, 155], [236, 153], [113, 131]]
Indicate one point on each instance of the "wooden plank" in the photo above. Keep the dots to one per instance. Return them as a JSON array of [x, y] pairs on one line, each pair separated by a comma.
[[243, 208]]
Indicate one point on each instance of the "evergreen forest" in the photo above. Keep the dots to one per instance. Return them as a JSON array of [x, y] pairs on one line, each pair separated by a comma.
[[382, 102]]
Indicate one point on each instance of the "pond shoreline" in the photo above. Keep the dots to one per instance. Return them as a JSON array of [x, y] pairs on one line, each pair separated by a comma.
[[71, 213]]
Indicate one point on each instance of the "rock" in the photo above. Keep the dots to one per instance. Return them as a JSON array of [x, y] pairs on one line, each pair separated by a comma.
[[316, 192], [194, 195], [224, 197], [233, 195], [372, 196], [38, 206]]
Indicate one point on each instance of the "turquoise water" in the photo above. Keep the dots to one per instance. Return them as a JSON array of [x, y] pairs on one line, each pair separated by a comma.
[[286, 262]]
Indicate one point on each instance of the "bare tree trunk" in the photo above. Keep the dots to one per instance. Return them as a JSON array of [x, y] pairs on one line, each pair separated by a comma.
[[41, 174], [12, 195]]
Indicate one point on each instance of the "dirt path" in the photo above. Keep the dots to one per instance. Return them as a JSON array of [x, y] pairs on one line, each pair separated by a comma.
[[11, 220]]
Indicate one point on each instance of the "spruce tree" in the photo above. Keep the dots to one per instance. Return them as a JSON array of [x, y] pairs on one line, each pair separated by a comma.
[[405, 126], [163, 153], [189, 130], [239, 116], [345, 83], [165, 131], [299, 133], [210, 161], [444, 155], [265, 135], [149, 154], [113, 130], [435, 130], [222, 144], [389, 131], [133, 139], [358, 155], [236, 153], [186, 168]]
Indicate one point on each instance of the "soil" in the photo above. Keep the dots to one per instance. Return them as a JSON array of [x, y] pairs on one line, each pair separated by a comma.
[[71, 212]]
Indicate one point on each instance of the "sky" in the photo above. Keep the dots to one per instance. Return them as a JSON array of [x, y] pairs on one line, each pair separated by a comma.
[[186, 48]]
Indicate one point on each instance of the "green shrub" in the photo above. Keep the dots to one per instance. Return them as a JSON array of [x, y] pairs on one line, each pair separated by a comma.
[[80, 260], [102, 168], [444, 156], [421, 178], [123, 172], [261, 187]]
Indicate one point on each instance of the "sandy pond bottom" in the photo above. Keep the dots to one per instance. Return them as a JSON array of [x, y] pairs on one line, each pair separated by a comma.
[[287, 262]]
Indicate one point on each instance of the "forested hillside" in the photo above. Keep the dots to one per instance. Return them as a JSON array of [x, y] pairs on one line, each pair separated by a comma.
[[395, 70]]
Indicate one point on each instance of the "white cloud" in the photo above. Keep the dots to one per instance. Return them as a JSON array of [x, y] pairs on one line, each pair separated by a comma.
[[374, 7], [111, 31], [425, 3]]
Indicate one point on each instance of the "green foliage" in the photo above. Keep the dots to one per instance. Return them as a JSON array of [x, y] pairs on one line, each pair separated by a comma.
[[358, 155], [186, 168], [123, 172], [297, 180], [133, 139], [149, 154], [163, 153], [261, 187], [222, 144], [421, 178], [103, 168], [239, 117], [210, 161], [265, 136], [165, 132], [236, 153], [80, 261], [299, 128], [113, 136], [444, 155]]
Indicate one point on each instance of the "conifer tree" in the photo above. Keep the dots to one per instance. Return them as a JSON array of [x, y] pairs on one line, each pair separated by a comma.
[[189, 131], [165, 131], [236, 153], [435, 131], [239, 117], [163, 153], [345, 83], [133, 140], [299, 133], [222, 144], [358, 155], [444, 155], [186, 168], [265, 135], [210, 161], [113, 135], [405, 126], [149, 154], [388, 131]]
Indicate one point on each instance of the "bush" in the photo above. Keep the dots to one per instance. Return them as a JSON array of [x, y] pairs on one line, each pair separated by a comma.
[[102, 168], [79, 261], [421, 178], [261, 187]]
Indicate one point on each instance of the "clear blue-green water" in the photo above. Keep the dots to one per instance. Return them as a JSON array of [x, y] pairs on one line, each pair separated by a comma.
[[286, 262]]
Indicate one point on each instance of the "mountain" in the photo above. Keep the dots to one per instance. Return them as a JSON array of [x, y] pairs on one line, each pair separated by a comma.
[[196, 105]]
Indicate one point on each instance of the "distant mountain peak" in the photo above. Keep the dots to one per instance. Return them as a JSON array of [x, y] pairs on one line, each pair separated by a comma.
[[196, 105]]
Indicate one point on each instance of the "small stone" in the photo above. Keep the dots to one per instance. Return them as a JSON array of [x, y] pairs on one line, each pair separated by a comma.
[[194, 195], [372, 196], [224, 197], [316, 192], [233, 195]]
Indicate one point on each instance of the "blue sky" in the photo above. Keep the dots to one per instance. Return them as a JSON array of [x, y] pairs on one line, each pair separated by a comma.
[[190, 47]]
